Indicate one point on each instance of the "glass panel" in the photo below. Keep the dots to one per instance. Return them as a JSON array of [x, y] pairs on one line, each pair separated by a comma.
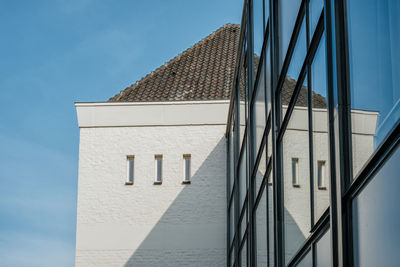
[[288, 10], [262, 166], [315, 9], [374, 57], [267, 69], [306, 261], [231, 160], [320, 133], [261, 228], [243, 90], [323, 250], [259, 110], [266, 11], [232, 222], [299, 54], [243, 225], [244, 254], [243, 176], [376, 218], [270, 224], [258, 29], [269, 145], [296, 196]]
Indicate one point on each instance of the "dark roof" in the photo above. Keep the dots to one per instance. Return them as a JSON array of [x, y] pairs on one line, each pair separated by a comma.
[[203, 72], [318, 101]]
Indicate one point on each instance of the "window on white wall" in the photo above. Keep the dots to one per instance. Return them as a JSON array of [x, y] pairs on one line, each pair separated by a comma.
[[130, 165], [295, 172], [321, 174], [186, 168], [158, 169]]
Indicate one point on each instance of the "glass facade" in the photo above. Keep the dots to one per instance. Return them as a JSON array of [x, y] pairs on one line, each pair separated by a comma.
[[313, 135]]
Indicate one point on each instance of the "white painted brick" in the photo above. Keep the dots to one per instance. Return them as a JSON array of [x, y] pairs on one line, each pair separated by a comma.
[[144, 224]]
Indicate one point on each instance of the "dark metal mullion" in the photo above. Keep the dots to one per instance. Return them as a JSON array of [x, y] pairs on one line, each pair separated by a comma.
[[320, 220], [230, 201], [263, 183], [251, 255], [310, 118], [236, 160], [334, 215], [344, 133], [291, 47], [242, 148], [228, 192], [277, 188], [262, 59], [243, 239], [309, 57], [261, 148], [236, 77], [259, 156], [315, 236], [243, 209], [292, 102]]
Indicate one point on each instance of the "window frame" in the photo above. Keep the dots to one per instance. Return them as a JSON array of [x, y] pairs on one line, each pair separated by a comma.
[[321, 174], [187, 178], [130, 180], [158, 158], [295, 172]]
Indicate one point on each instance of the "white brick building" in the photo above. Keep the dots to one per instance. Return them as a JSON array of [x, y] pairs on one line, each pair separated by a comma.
[[121, 222], [153, 164]]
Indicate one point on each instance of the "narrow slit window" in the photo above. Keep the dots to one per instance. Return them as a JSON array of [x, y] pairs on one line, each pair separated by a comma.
[[321, 174], [130, 160], [186, 168], [295, 172], [158, 169]]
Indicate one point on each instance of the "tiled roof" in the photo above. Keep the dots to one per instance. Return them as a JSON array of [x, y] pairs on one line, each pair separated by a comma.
[[318, 101], [203, 72]]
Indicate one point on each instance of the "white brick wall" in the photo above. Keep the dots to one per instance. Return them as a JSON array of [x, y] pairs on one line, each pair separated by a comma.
[[144, 224]]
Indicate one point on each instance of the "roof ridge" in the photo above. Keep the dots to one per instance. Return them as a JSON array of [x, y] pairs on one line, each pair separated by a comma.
[[174, 59]]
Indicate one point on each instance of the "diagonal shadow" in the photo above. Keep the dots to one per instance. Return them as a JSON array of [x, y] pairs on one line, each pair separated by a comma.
[[192, 231]]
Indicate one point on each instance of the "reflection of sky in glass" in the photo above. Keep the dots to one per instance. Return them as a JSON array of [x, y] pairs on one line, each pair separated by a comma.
[[318, 69], [288, 10], [315, 9], [374, 56], [376, 219], [258, 26], [299, 53]]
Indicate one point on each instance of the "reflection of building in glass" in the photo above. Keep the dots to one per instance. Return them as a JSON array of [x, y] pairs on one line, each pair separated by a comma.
[[308, 155], [296, 160], [224, 158]]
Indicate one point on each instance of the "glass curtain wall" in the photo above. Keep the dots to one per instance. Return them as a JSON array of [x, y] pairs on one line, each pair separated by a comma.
[[312, 134]]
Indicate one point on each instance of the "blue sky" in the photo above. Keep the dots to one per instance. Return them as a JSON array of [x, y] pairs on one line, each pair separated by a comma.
[[57, 52]]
